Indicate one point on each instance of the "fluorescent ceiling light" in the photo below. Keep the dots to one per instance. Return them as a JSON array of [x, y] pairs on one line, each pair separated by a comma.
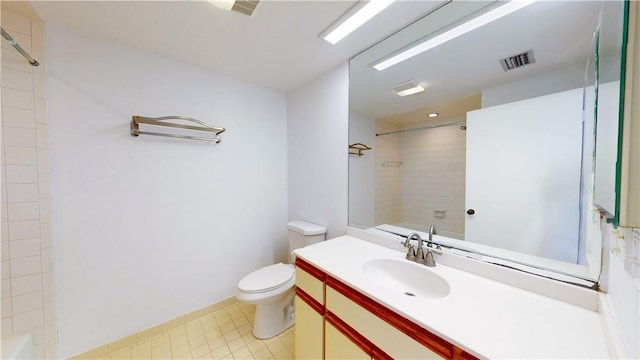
[[497, 13], [408, 88], [356, 20], [433, 115]]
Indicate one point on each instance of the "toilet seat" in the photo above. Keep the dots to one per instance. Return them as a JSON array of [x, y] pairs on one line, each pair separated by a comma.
[[267, 279]]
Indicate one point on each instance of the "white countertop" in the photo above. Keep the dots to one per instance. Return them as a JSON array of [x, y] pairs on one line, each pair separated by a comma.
[[484, 317]]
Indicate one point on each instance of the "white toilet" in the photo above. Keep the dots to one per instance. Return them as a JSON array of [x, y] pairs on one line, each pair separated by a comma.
[[270, 289]]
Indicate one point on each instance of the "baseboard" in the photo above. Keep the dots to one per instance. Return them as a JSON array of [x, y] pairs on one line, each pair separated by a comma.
[[147, 334]]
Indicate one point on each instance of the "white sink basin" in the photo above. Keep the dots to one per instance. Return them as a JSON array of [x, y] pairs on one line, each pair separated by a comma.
[[406, 278]]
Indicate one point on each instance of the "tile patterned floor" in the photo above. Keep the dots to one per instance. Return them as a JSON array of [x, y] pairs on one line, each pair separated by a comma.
[[225, 334]]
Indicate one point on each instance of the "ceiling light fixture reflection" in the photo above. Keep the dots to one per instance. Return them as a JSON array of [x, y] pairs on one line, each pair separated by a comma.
[[497, 13], [222, 4], [355, 17], [433, 115], [408, 88], [245, 7]]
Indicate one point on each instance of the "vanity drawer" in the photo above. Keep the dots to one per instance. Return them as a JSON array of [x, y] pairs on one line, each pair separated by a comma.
[[310, 280], [395, 335]]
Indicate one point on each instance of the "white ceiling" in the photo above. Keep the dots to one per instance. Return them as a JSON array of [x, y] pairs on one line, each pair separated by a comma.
[[559, 32], [277, 47]]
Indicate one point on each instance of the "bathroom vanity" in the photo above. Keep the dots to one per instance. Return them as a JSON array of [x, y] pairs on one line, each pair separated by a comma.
[[359, 300]]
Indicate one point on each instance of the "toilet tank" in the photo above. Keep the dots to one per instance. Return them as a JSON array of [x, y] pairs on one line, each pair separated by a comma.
[[302, 233]]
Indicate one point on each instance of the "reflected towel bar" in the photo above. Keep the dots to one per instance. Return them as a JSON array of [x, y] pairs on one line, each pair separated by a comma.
[[159, 121], [359, 147]]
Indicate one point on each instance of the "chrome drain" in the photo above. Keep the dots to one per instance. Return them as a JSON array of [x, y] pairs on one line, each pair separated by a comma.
[[409, 293]]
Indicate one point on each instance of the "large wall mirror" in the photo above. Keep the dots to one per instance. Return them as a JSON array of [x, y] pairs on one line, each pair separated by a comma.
[[496, 146]]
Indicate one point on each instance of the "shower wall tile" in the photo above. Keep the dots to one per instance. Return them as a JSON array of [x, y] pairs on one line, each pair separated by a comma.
[[14, 136], [4, 214], [28, 286], [19, 230], [26, 266], [431, 177], [18, 117], [11, 59], [6, 307], [23, 211], [28, 322], [24, 248], [40, 111], [27, 303], [18, 99], [48, 284], [50, 313], [7, 326], [4, 228], [6, 270], [45, 211], [42, 136], [20, 155], [4, 252], [22, 192], [13, 22], [39, 86], [37, 36], [19, 80], [5, 291], [22, 174]]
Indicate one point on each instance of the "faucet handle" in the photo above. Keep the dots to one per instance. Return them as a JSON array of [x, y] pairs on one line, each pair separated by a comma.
[[428, 258], [411, 253]]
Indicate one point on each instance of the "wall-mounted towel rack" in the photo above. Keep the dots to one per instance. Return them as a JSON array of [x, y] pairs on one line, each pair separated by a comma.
[[359, 147], [161, 121]]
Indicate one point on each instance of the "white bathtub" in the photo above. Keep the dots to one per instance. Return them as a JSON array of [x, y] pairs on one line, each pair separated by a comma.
[[17, 347]]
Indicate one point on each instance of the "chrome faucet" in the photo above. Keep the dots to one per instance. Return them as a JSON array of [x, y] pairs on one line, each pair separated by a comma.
[[418, 253], [411, 250], [432, 231]]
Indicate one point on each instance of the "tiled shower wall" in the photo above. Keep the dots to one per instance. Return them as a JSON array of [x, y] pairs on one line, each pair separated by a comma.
[[28, 290], [429, 184]]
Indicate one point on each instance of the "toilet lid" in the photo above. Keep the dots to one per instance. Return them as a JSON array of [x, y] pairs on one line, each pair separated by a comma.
[[267, 278]]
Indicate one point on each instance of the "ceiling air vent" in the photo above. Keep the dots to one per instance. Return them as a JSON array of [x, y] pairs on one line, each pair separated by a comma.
[[245, 6], [517, 61]]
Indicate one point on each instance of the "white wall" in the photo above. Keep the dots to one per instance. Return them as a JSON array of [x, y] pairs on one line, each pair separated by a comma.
[[150, 228], [362, 176], [318, 116], [571, 77]]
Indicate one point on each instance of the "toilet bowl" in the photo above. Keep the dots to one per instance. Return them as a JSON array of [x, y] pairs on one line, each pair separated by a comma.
[[271, 288]]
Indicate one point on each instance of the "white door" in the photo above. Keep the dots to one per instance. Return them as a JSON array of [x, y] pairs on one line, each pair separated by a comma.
[[523, 175]]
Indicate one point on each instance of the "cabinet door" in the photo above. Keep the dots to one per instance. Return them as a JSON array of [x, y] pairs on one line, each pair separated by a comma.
[[309, 331], [384, 336], [339, 347]]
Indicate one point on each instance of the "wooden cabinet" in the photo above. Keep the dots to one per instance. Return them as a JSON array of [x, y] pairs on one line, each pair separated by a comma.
[[339, 346], [334, 321], [309, 331], [309, 304], [386, 337]]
